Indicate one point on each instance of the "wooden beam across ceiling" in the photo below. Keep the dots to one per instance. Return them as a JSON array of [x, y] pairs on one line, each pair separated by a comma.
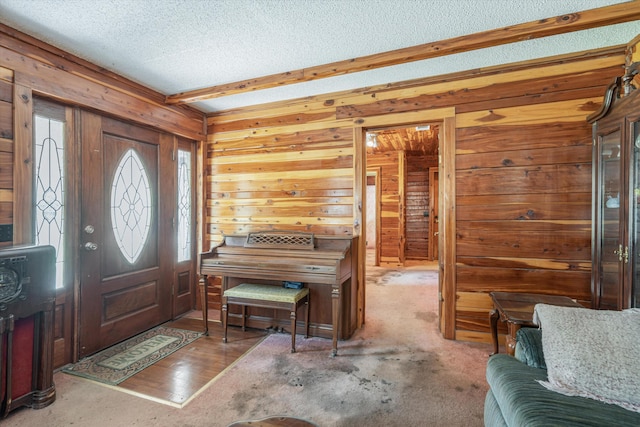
[[608, 15]]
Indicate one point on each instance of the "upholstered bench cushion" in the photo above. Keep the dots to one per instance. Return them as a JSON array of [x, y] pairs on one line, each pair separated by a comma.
[[266, 293]]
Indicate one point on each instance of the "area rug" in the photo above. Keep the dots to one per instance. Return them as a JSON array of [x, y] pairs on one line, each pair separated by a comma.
[[121, 361], [391, 277], [395, 371]]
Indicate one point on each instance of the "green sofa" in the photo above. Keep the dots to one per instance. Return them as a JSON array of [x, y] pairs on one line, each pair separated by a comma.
[[516, 399]]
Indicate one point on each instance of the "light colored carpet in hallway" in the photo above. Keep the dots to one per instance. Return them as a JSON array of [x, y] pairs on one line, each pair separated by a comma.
[[395, 371]]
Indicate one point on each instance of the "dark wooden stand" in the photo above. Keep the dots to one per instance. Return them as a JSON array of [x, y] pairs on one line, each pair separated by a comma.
[[26, 327], [516, 309]]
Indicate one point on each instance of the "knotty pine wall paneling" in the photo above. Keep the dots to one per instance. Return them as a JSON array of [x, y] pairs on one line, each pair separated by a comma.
[[515, 171], [6, 156], [417, 203], [293, 178], [390, 181]]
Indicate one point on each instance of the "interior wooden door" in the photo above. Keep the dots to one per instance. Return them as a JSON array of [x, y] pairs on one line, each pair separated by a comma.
[[126, 266]]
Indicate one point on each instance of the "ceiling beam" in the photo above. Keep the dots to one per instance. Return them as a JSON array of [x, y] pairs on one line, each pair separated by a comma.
[[609, 15]]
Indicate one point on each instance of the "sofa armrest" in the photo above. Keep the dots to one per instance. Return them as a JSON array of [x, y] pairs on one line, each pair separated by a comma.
[[529, 347]]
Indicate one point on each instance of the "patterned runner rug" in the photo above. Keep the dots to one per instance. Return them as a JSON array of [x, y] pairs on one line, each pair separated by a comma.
[[121, 361]]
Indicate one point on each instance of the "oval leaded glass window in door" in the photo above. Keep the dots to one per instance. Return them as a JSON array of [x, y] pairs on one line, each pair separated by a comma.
[[131, 206]]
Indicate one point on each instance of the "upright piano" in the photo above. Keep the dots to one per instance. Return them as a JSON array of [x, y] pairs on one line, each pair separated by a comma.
[[321, 263]]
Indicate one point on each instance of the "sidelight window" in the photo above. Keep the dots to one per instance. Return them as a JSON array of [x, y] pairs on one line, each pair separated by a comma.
[[49, 186], [184, 205]]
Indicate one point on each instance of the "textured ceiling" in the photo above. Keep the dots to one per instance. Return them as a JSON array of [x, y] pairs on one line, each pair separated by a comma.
[[175, 46]]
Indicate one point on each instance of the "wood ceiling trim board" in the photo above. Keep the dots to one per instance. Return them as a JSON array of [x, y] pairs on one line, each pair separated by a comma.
[[41, 52], [556, 65], [609, 15], [566, 59], [38, 50], [469, 97], [475, 81]]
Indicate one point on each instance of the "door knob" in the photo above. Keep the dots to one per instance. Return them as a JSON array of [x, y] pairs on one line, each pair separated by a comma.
[[90, 246]]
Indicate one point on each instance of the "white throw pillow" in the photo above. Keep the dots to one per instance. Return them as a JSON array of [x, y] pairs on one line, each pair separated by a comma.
[[592, 353]]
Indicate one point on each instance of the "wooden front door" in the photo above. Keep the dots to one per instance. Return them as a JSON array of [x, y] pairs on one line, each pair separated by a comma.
[[125, 232]]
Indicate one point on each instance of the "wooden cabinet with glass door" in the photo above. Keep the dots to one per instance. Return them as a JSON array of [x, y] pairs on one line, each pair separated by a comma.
[[616, 196]]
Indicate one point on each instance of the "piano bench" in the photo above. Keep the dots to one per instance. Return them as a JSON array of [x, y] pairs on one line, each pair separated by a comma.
[[266, 296]]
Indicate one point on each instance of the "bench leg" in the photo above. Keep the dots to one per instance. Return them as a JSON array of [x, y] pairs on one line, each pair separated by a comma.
[[225, 319], [244, 318], [293, 329], [204, 304], [306, 318]]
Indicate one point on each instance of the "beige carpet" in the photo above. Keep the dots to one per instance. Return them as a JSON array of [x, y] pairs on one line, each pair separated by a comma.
[[396, 371]]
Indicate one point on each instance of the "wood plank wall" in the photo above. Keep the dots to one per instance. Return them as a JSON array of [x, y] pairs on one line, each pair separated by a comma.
[[293, 178], [417, 196], [390, 182], [522, 172], [6, 151]]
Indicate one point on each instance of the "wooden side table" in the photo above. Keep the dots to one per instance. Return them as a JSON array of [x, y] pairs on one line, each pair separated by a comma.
[[516, 309]]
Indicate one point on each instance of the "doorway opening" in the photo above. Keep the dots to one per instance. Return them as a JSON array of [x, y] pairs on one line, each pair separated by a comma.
[[402, 195]]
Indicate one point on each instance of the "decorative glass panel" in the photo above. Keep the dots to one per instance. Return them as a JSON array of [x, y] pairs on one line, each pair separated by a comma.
[[635, 218], [184, 205], [610, 186], [49, 187], [131, 206]]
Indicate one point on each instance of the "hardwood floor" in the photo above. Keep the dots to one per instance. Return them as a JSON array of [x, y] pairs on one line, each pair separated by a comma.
[[177, 377]]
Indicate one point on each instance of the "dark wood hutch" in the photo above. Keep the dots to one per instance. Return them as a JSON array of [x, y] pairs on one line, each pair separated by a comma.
[[616, 196]]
